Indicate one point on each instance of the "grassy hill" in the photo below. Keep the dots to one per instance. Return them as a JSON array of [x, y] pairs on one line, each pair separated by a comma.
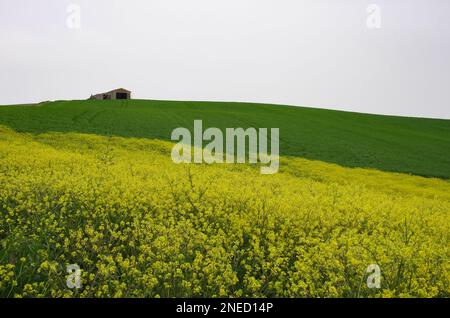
[[399, 144], [139, 225]]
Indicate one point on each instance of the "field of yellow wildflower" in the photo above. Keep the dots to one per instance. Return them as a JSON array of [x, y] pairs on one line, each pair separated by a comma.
[[140, 226]]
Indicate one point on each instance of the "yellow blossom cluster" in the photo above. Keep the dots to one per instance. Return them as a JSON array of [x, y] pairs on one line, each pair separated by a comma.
[[138, 225]]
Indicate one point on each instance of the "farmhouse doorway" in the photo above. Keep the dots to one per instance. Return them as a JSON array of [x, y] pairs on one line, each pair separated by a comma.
[[121, 96]]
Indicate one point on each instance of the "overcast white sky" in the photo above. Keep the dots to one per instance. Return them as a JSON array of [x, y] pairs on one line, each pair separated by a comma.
[[301, 52]]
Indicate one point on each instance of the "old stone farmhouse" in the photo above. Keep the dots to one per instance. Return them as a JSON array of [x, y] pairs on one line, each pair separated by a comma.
[[119, 93]]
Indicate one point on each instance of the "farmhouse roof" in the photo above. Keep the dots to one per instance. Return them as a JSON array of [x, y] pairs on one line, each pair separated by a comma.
[[119, 89]]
